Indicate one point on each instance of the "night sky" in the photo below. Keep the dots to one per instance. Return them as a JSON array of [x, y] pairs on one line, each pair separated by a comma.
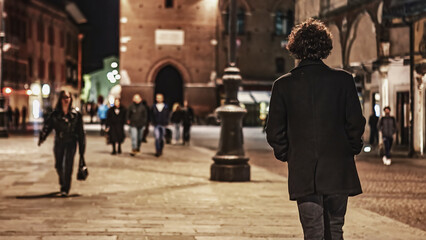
[[101, 31]]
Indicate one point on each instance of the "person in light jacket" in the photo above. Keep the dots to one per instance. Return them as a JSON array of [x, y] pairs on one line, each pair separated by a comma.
[[315, 124]]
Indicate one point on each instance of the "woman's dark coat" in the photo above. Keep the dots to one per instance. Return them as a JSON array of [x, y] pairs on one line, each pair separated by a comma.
[[315, 123], [115, 123]]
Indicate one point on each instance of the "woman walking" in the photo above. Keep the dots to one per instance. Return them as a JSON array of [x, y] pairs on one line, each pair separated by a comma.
[[69, 131], [116, 118]]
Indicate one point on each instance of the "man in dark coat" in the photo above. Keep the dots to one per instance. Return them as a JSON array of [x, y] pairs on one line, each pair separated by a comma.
[[137, 117], [315, 124]]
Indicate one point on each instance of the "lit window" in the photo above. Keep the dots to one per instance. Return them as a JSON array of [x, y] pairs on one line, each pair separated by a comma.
[[241, 15], [283, 23]]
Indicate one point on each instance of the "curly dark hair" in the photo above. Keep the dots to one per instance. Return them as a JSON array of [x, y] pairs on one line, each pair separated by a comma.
[[310, 40]]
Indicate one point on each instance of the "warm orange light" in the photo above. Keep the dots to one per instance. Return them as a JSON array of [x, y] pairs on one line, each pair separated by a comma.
[[7, 90]]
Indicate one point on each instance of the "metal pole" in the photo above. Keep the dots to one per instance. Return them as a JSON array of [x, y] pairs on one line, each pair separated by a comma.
[[79, 67], [232, 33], [411, 140], [230, 163]]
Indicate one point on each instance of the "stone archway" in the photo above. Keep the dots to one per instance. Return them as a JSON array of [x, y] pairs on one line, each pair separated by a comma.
[[362, 43], [169, 82], [335, 58]]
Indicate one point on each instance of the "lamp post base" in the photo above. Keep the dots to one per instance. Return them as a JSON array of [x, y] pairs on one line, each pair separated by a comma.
[[230, 173]]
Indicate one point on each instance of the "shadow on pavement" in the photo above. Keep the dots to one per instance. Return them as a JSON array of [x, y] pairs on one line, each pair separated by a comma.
[[47, 195]]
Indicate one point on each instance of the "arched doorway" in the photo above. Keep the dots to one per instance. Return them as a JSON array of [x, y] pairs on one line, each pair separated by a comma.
[[169, 82]]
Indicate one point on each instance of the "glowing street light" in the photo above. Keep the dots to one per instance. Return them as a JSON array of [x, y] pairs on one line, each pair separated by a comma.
[[114, 65], [45, 90], [7, 90]]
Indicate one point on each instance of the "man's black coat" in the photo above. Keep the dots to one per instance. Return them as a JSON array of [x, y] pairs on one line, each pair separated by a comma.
[[315, 123]]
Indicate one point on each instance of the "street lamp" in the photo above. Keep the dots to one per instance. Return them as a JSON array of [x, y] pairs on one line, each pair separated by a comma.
[[230, 163], [3, 125]]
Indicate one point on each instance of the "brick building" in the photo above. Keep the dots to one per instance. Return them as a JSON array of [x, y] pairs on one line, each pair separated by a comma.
[[40, 53], [179, 48]]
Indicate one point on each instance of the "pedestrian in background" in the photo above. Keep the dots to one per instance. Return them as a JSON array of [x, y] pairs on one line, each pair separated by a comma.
[[137, 117], [387, 125], [188, 119], [24, 118], [17, 117], [315, 124], [69, 130], [374, 132], [146, 128], [176, 119], [102, 113], [116, 118], [160, 119], [9, 117]]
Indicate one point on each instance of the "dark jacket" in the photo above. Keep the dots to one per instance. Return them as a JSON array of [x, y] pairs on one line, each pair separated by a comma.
[[137, 115], [115, 122], [68, 128], [188, 116], [315, 123], [177, 116], [387, 125], [160, 118]]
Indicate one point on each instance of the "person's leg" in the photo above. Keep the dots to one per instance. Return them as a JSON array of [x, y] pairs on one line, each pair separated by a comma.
[[157, 139], [162, 132], [69, 162], [119, 148], [140, 136], [387, 142], [177, 132], [113, 148], [134, 136], [186, 133], [311, 214], [390, 146], [334, 216], [58, 151]]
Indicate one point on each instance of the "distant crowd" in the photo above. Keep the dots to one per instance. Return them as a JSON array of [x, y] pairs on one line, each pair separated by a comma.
[[139, 116]]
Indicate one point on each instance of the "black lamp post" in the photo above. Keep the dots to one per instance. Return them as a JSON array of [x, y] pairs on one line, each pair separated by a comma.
[[3, 122], [230, 163]]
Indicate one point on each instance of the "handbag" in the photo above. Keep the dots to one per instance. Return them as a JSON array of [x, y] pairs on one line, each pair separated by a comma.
[[82, 170]]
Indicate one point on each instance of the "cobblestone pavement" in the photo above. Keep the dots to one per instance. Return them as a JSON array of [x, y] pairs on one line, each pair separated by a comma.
[[145, 197], [397, 191]]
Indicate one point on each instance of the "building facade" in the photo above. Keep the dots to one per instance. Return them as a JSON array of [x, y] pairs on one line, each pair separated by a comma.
[[383, 44], [180, 47], [40, 54]]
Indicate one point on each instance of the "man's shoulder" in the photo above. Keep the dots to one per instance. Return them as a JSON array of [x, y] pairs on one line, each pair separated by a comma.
[[284, 78], [341, 73]]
